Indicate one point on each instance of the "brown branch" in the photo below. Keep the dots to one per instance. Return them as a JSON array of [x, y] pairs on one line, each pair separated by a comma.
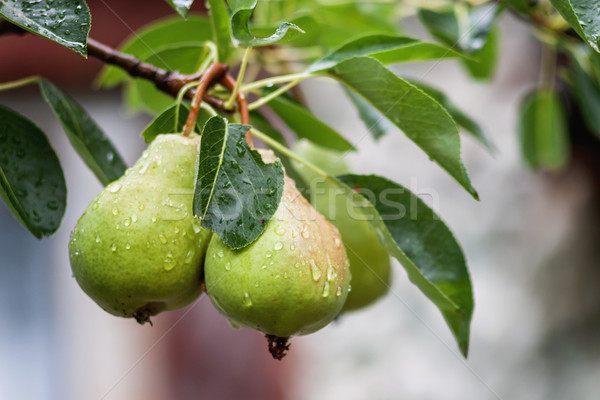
[[169, 82]]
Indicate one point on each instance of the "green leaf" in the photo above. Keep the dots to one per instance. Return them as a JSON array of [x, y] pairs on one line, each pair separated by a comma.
[[185, 58], [387, 49], [423, 244], [483, 64], [376, 123], [236, 193], [32, 183], [522, 6], [417, 114], [466, 29], [241, 11], [587, 94], [463, 120], [167, 122], [66, 22], [219, 14], [181, 6], [299, 119], [543, 130], [583, 16], [154, 37], [90, 142]]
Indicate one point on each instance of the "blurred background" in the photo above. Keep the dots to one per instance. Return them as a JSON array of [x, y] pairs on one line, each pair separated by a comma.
[[531, 245]]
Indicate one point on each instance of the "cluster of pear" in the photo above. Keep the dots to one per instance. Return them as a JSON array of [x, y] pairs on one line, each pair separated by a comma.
[[138, 250]]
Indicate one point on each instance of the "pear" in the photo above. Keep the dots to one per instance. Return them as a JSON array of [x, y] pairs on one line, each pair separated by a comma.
[[369, 259], [138, 250], [293, 280]]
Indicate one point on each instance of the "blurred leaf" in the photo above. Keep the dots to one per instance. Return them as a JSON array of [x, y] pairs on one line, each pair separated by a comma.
[[583, 16], [522, 6], [241, 11], [483, 64], [181, 6], [219, 18], [236, 193], [66, 22], [90, 142], [415, 235], [185, 58], [375, 122], [299, 119], [543, 130], [463, 120], [417, 114], [587, 94], [154, 37], [385, 48], [32, 183], [167, 122]]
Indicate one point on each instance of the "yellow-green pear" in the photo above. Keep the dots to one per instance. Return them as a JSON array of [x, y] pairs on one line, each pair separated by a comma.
[[369, 259], [138, 250], [293, 280]]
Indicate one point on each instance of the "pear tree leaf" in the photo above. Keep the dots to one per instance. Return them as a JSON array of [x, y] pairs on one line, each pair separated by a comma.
[[426, 248], [522, 6], [417, 114], [154, 37], [236, 193], [168, 122], [32, 183], [219, 18], [462, 119], [181, 6], [386, 48], [543, 130], [587, 93], [483, 64], [66, 22], [583, 16], [299, 119], [375, 122], [90, 142], [241, 11]]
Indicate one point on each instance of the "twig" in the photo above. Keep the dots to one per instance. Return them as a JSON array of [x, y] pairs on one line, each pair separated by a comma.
[[229, 82]]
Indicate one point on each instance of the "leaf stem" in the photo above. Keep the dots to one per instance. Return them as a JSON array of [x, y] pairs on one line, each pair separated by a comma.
[[264, 100], [238, 83], [275, 80], [19, 83]]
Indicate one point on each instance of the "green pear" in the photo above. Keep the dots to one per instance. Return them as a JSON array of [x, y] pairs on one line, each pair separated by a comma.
[[138, 250], [293, 280], [369, 259]]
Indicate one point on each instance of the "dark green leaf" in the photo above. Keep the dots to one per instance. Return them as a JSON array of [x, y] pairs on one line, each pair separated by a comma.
[[543, 130], [417, 114], [167, 122], [219, 14], [306, 125], [236, 193], [587, 94], [32, 183], [181, 6], [66, 22], [90, 142], [466, 30], [422, 243], [463, 120], [522, 6], [155, 37], [387, 49], [241, 11], [483, 64], [377, 124], [583, 16]]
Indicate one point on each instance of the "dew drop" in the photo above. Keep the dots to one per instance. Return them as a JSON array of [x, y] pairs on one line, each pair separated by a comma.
[[153, 219], [127, 246], [316, 271], [220, 253], [114, 187], [269, 254], [228, 266], [278, 246], [294, 233], [147, 245], [264, 267], [337, 242], [292, 247], [113, 247], [115, 211], [338, 292], [326, 289], [134, 218], [98, 239], [127, 221], [95, 205], [189, 256], [285, 275], [169, 262], [118, 226], [162, 238], [141, 207], [280, 230], [247, 299]]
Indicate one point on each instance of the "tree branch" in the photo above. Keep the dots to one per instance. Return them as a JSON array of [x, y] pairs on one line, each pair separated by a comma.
[[169, 82]]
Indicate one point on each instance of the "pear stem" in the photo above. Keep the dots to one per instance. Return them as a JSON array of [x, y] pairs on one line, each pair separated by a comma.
[[242, 102], [212, 74]]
